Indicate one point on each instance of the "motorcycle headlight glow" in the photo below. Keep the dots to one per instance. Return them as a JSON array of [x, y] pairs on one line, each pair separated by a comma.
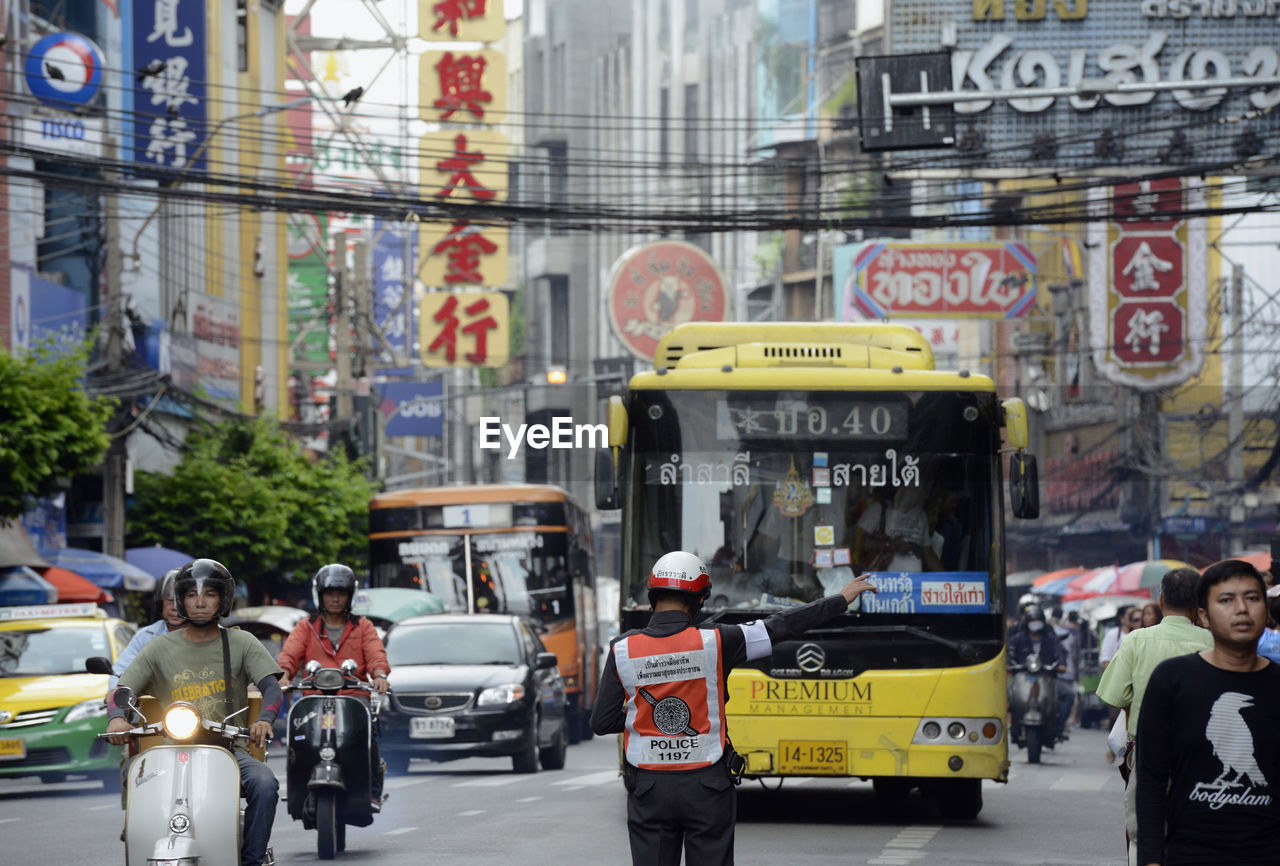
[[507, 694], [181, 721], [329, 679], [1033, 664]]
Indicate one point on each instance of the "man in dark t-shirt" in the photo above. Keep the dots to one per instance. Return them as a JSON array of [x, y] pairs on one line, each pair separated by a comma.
[[1208, 789]]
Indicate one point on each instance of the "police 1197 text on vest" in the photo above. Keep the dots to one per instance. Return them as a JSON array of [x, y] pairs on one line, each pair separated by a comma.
[[675, 699]]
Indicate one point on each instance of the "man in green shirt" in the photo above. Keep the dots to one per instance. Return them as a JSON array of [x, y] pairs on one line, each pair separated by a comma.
[[1125, 679]]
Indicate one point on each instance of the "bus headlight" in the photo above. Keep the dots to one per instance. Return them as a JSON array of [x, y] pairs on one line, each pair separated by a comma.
[[495, 695], [932, 730], [181, 721]]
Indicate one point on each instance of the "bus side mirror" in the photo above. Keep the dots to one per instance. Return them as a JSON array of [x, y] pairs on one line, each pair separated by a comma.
[[608, 497], [1024, 485]]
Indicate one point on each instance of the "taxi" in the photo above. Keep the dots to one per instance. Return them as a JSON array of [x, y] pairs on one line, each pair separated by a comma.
[[51, 710]]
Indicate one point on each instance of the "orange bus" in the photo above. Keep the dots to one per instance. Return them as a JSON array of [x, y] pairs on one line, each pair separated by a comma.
[[499, 548]]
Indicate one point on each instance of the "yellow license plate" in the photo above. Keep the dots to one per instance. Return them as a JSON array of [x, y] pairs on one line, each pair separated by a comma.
[[13, 750], [812, 757]]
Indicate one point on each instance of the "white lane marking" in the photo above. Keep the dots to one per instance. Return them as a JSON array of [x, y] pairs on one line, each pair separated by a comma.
[[397, 782], [92, 808], [9, 820], [528, 799], [399, 830], [899, 850], [601, 778], [490, 782], [797, 781], [468, 814]]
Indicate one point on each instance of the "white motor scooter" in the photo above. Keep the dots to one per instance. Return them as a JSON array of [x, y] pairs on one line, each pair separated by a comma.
[[183, 797]]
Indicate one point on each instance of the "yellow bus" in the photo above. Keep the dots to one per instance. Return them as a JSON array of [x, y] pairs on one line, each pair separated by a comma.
[[499, 548], [791, 457]]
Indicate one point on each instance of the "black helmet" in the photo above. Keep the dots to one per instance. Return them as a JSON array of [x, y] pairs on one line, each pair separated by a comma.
[[197, 575], [1033, 613], [333, 576], [164, 589]]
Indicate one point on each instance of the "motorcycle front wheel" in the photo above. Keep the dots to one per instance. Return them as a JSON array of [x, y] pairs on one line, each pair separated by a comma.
[[1032, 733], [326, 824]]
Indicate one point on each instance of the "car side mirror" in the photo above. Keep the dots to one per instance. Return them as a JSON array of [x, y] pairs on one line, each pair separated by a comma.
[[1024, 485], [98, 665], [544, 661]]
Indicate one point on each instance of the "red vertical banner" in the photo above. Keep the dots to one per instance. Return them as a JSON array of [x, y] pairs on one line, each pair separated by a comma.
[[1148, 284]]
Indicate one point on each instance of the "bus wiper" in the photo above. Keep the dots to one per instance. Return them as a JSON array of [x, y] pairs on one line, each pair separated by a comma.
[[964, 649]]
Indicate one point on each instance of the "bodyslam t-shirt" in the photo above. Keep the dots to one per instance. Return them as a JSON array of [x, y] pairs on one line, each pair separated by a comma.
[[1214, 737], [173, 668]]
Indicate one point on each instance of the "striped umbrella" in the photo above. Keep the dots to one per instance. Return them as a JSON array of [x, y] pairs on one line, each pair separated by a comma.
[[1055, 576], [1145, 574], [1098, 581]]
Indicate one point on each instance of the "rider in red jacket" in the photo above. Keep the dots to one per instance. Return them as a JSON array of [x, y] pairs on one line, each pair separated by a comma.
[[335, 634]]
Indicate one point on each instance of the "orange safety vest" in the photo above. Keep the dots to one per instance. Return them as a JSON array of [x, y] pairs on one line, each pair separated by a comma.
[[675, 699]]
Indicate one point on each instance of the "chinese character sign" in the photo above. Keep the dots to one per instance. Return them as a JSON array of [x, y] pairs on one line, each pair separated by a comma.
[[169, 90], [1148, 285], [462, 254], [919, 280], [463, 86], [464, 329], [394, 251], [461, 20], [464, 166]]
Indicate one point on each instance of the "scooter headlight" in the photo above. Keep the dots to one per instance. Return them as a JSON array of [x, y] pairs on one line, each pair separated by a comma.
[[181, 721], [1033, 664]]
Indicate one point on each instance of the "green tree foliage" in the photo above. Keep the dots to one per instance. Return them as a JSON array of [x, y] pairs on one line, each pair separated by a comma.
[[50, 429], [247, 496]]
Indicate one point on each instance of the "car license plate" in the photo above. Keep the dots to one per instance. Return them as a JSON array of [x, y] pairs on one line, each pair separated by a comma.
[[812, 757], [13, 750], [431, 729]]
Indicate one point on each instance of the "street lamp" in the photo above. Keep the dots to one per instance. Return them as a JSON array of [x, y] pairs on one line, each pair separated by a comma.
[[261, 111]]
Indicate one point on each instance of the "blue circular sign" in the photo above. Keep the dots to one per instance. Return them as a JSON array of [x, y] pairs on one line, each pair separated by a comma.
[[64, 69]]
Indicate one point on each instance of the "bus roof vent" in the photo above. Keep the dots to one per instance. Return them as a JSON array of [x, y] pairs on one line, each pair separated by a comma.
[[852, 341], [806, 353]]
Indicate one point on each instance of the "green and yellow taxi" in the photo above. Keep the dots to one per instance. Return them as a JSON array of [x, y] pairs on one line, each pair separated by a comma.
[[51, 710]]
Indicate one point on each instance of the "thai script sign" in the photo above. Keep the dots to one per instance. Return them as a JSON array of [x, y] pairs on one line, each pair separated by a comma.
[[1025, 44], [655, 287], [169, 93], [924, 280], [1148, 295], [709, 468], [412, 408], [930, 592]]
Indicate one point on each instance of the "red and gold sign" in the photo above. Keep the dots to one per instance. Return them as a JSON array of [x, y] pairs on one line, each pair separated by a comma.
[[463, 86], [464, 329], [461, 20], [1148, 285], [657, 286], [463, 254]]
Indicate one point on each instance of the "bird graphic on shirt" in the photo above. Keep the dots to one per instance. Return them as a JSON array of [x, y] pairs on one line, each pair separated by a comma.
[[1232, 741]]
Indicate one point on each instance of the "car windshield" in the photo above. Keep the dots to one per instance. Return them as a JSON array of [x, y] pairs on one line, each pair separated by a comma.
[[454, 644], [38, 652]]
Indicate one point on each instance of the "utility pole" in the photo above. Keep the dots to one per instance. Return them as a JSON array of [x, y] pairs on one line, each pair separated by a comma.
[[342, 284], [1235, 394], [113, 471], [362, 286]]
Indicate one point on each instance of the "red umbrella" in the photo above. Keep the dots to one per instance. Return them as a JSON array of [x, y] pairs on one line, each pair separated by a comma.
[[1145, 574], [74, 588]]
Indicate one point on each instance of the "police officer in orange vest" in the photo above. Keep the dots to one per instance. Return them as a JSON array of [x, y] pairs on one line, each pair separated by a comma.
[[665, 687]]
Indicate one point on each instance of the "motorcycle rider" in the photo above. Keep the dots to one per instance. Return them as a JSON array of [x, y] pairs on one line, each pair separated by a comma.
[[167, 620], [1034, 637], [333, 634], [190, 664]]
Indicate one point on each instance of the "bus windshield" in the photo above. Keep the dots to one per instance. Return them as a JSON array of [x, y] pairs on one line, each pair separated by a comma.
[[787, 495], [525, 573]]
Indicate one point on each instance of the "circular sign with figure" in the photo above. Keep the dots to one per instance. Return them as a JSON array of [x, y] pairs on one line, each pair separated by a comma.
[[64, 69], [671, 716], [657, 286]]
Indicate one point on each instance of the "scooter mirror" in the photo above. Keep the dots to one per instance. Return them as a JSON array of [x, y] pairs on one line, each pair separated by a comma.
[[312, 666], [349, 667], [98, 665], [124, 697]]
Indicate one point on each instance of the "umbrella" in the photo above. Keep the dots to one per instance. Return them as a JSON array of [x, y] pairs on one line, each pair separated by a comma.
[[22, 586], [1260, 560], [108, 572], [73, 588], [156, 561], [1098, 581], [1054, 576], [1144, 574], [392, 603]]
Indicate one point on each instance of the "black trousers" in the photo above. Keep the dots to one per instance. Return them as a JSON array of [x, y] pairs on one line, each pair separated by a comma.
[[693, 811]]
